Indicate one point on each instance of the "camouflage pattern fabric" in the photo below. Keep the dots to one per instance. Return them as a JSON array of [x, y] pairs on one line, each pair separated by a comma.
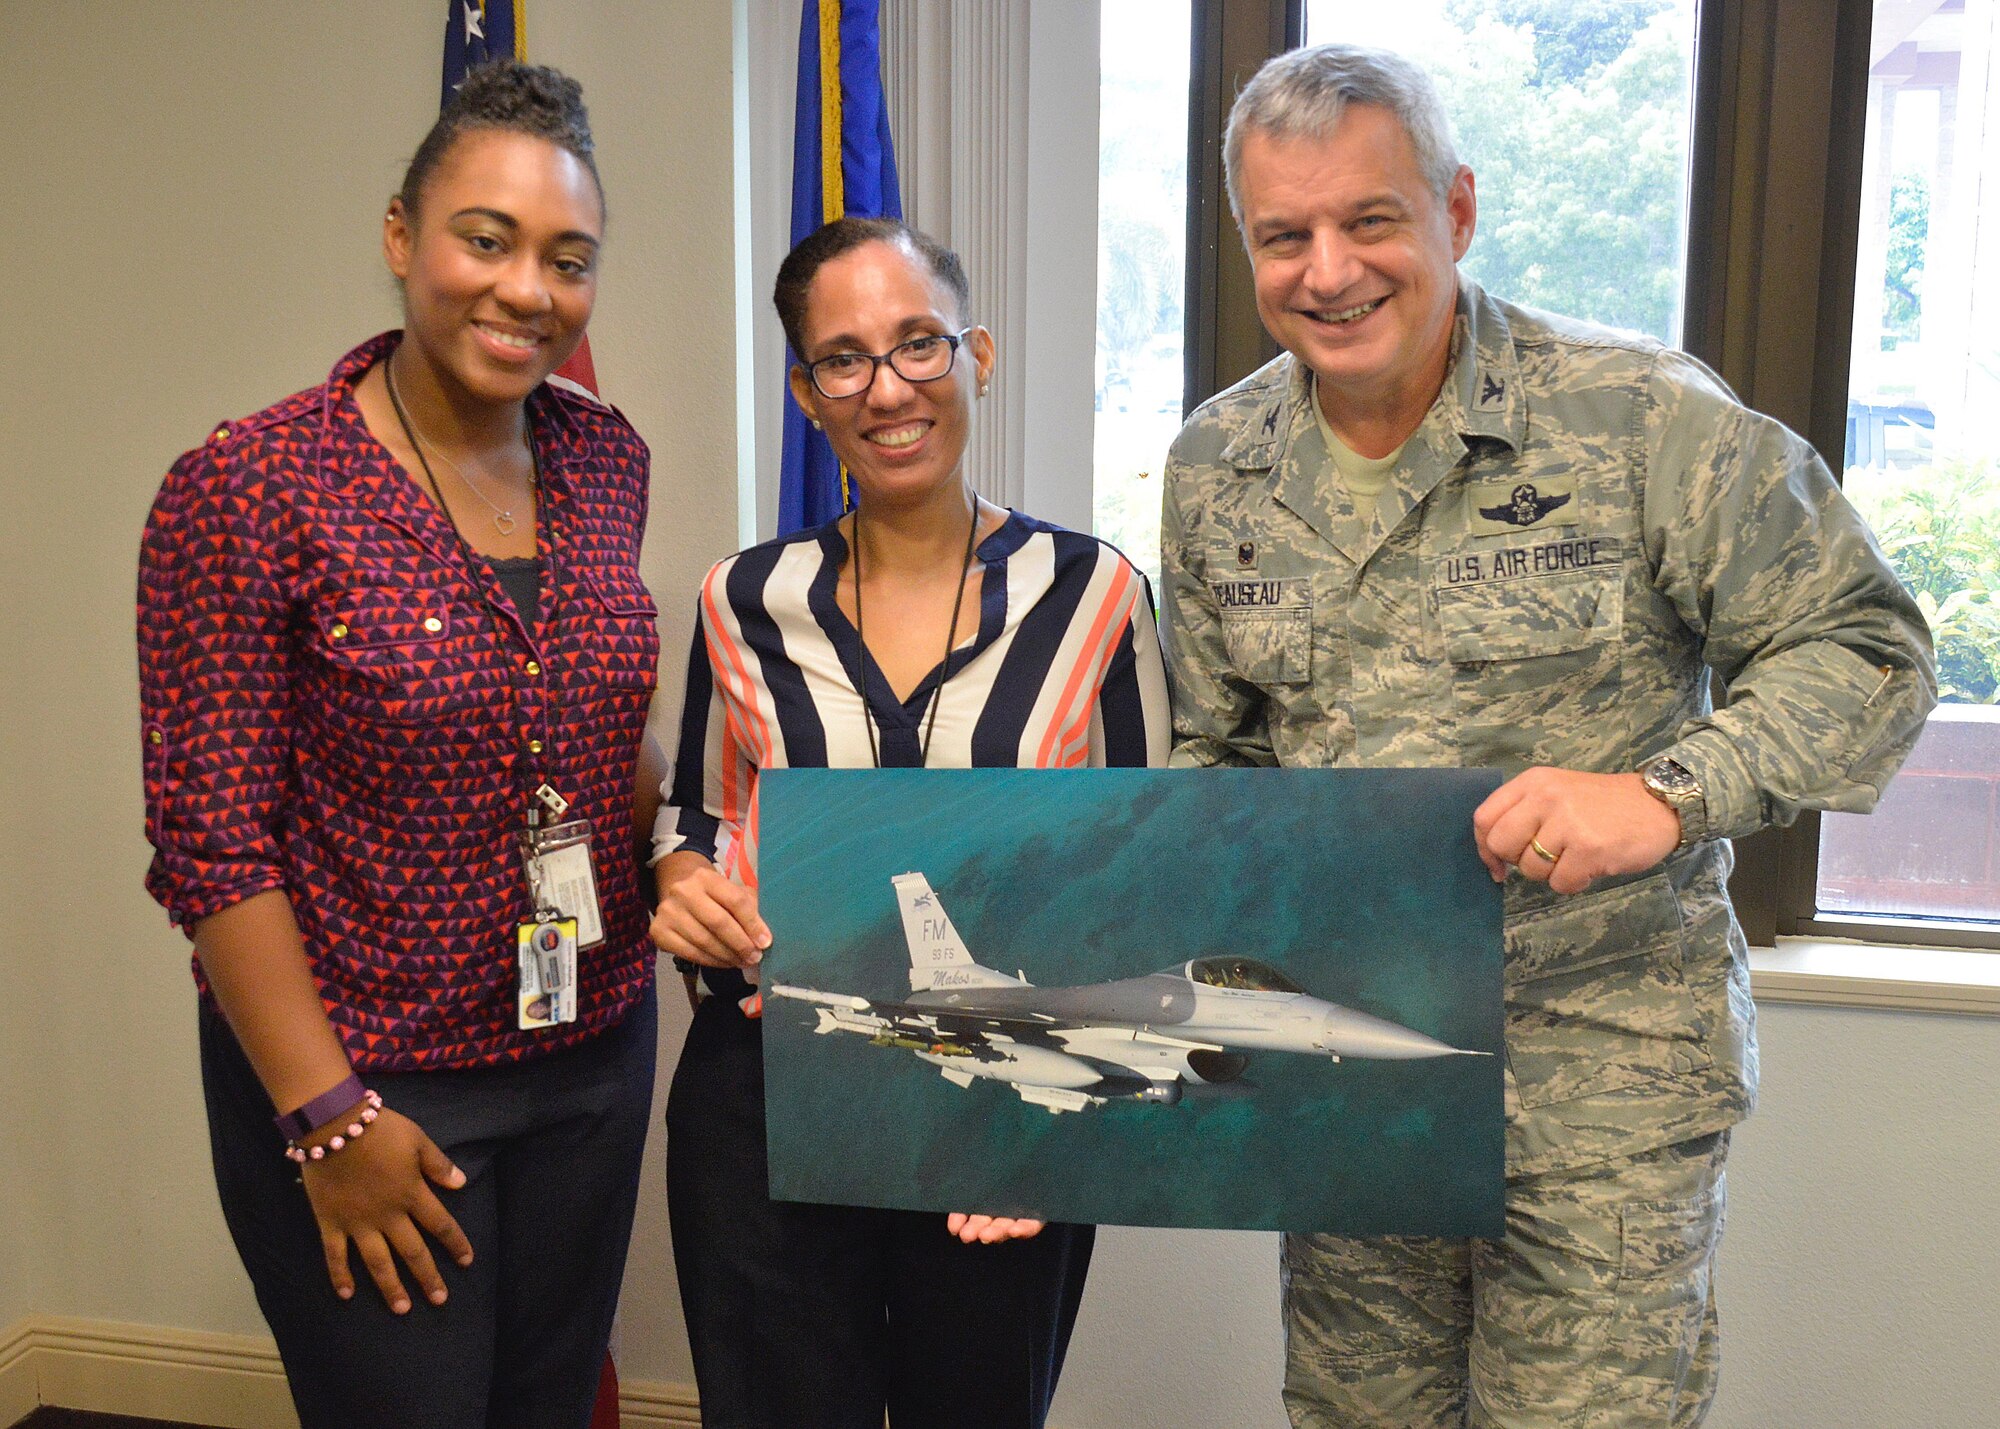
[[1583, 527], [1598, 1309]]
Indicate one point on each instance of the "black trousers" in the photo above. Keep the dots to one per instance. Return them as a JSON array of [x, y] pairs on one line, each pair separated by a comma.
[[821, 1317], [550, 1150]]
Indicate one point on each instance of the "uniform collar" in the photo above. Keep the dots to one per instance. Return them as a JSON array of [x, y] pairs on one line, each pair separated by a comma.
[[1480, 400], [1482, 393]]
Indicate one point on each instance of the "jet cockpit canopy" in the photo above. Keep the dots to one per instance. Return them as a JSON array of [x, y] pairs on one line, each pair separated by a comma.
[[1243, 973]]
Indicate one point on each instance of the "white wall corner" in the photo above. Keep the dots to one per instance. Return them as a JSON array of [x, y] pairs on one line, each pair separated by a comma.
[[744, 77], [771, 39], [994, 112], [1056, 401]]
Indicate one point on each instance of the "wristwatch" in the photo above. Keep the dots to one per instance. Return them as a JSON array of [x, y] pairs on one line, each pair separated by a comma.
[[1671, 782]]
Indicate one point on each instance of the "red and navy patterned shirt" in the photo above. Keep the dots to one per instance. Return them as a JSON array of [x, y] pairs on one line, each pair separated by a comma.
[[337, 704]]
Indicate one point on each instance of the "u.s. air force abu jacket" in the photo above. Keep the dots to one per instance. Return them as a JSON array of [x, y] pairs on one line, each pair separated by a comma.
[[1584, 526]]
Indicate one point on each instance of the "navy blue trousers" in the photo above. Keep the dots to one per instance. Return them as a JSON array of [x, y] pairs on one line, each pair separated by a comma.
[[825, 1316], [550, 1149]]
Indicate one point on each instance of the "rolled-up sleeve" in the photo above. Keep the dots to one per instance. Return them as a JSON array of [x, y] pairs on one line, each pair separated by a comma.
[[214, 684], [1827, 660]]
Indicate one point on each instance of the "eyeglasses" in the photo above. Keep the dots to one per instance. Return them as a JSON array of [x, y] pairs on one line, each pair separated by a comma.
[[921, 359]]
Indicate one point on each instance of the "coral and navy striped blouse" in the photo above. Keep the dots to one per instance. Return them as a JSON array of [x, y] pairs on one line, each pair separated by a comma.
[[337, 704], [1065, 672]]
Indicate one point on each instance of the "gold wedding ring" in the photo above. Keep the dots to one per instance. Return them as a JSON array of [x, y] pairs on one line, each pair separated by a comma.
[[1547, 857]]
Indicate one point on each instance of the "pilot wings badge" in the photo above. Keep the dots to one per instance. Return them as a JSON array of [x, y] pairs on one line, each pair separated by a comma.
[[1522, 504]]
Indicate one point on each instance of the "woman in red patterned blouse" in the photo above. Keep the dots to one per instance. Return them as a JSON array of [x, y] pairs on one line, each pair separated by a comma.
[[391, 631]]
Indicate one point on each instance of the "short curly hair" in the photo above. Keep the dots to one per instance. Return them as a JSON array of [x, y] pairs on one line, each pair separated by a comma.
[[517, 98]]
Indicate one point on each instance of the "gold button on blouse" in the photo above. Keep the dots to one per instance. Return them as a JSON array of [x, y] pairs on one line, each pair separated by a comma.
[[155, 736], [533, 667], [339, 632], [534, 746], [433, 624]]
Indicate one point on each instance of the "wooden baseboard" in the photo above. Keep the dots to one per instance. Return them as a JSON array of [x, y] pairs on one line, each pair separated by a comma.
[[231, 1381], [645, 1405], [18, 1398]]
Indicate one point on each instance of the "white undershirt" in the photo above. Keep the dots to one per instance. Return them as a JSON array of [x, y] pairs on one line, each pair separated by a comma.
[[1364, 477]]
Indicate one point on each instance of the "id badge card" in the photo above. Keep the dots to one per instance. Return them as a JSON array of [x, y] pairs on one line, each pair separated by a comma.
[[545, 980], [561, 876]]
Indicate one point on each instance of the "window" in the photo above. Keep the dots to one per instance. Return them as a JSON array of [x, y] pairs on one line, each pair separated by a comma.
[[1922, 459], [1575, 119], [1141, 246]]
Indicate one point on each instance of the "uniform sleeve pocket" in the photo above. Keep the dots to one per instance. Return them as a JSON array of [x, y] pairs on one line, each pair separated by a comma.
[[1596, 996], [1524, 618]]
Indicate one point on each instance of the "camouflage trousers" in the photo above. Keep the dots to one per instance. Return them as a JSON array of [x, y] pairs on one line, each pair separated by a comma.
[[1598, 1309]]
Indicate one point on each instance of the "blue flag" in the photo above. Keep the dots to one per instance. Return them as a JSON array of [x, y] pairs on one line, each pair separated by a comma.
[[843, 162], [476, 32]]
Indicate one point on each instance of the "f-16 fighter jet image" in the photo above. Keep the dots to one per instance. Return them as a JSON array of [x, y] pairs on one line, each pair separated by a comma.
[[1067, 1048]]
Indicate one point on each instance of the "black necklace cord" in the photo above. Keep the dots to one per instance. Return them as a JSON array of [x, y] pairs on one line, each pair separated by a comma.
[[944, 668], [532, 768], [409, 431]]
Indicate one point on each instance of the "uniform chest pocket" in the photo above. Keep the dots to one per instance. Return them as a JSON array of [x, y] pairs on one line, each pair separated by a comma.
[[1535, 667], [395, 657], [1525, 618], [1267, 627]]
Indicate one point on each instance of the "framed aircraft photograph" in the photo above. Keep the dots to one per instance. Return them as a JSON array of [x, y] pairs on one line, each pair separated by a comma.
[[1229, 998]]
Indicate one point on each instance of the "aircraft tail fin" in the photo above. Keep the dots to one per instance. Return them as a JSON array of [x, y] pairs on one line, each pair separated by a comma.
[[938, 958]]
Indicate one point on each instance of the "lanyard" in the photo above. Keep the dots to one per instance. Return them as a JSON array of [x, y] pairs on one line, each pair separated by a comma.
[[944, 669], [541, 795]]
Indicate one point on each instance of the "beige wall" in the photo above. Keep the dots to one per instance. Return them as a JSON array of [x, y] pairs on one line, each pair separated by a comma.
[[193, 196]]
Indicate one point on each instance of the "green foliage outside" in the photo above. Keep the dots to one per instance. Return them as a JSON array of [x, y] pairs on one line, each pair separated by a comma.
[[1142, 213], [1574, 118], [1903, 279], [1940, 526], [1573, 38]]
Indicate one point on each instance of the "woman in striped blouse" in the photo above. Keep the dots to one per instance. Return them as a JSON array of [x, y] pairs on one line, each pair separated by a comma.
[[928, 627]]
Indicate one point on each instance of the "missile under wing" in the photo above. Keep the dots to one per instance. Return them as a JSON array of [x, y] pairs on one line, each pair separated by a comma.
[[1066, 1048]]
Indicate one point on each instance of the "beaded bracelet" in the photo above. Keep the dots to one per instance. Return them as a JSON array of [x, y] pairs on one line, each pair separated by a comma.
[[371, 1107]]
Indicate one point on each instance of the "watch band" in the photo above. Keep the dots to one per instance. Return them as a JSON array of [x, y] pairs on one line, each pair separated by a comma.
[[293, 1125], [1674, 785]]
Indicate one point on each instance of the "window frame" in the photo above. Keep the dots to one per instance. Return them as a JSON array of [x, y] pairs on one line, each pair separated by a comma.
[[1779, 120]]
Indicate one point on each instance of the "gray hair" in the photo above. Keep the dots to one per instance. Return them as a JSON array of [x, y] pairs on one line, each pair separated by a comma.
[[1303, 93]]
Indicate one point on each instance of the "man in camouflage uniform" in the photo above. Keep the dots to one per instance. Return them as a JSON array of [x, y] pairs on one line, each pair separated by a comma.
[[1441, 530]]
